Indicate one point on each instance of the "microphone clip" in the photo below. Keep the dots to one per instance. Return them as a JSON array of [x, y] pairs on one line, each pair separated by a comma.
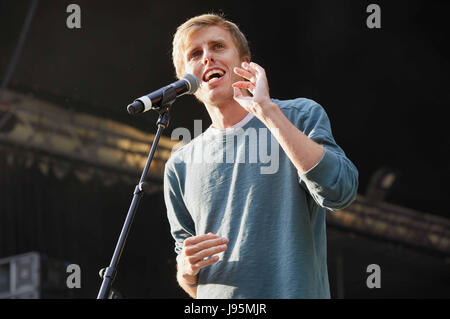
[[169, 96]]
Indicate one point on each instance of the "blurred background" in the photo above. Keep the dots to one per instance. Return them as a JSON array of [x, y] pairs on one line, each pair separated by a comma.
[[71, 155]]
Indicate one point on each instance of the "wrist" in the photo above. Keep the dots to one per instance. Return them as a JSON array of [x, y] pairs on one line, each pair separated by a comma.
[[270, 113], [187, 280]]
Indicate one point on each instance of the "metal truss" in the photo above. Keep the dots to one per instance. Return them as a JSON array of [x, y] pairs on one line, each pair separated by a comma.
[[396, 224], [69, 140]]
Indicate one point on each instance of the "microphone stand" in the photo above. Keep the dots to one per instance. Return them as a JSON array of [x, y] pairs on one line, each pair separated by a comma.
[[108, 274]]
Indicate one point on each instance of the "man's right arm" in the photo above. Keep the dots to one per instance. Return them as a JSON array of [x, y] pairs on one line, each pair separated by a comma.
[[188, 285], [198, 252]]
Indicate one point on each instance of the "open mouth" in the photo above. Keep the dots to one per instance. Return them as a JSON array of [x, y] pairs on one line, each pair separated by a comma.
[[213, 75]]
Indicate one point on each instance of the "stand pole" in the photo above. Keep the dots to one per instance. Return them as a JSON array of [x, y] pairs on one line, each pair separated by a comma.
[[108, 274]]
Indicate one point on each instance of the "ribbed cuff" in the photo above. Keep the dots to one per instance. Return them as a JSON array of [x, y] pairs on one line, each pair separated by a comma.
[[324, 173]]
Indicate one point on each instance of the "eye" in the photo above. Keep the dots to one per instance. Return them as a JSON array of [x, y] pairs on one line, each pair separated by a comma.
[[194, 55], [219, 46]]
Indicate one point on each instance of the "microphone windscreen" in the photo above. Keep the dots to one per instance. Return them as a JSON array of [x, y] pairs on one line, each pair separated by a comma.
[[193, 83]]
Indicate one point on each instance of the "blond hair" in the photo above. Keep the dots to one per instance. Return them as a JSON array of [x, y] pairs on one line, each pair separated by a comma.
[[193, 24]]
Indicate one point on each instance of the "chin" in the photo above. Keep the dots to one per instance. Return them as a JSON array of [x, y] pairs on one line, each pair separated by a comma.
[[216, 97]]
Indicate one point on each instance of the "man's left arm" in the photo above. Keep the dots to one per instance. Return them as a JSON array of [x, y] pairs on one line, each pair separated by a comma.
[[303, 152], [329, 176]]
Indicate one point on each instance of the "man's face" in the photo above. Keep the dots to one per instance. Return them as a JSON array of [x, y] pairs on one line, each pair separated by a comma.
[[211, 55]]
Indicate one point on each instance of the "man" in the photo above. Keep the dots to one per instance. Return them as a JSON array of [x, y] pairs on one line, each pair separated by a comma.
[[241, 232]]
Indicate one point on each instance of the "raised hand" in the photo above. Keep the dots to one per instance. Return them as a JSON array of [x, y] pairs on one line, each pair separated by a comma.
[[257, 85]]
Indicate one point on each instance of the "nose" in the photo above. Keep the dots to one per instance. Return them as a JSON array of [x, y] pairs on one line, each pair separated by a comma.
[[208, 57]]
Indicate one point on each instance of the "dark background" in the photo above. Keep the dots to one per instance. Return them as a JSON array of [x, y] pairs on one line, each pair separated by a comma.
[[385, 90]]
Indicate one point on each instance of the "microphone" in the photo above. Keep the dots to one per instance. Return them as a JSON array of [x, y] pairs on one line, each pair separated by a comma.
[[158, 99]]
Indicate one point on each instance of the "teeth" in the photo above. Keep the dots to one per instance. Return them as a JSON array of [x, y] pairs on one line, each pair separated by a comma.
[[210, 73]]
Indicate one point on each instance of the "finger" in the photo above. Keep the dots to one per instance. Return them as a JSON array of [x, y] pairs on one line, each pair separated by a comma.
[[238, 96], [210, 243], [206, 262], [211, 251], [194, 249], [250, 67], [199, 238], [245, 74], [207, 253], [258, 69], [241, 98], [237, 93], [243, 85]]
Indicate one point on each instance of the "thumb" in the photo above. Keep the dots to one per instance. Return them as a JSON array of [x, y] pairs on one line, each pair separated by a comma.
[[237, 93], [238, 96]]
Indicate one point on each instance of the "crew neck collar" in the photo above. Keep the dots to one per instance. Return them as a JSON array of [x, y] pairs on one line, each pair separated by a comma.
[[233, 128]]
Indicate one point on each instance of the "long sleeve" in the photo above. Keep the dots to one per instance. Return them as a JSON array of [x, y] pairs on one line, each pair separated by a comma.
[[333, 181], [181, 224]]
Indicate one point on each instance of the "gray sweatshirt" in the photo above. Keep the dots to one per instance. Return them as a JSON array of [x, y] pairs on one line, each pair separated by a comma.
[[238, 183]]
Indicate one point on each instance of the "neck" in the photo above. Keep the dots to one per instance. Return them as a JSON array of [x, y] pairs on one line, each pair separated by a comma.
[[227, 115]]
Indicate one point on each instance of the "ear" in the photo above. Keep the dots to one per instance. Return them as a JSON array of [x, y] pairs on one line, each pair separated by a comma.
[[246, 59]]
